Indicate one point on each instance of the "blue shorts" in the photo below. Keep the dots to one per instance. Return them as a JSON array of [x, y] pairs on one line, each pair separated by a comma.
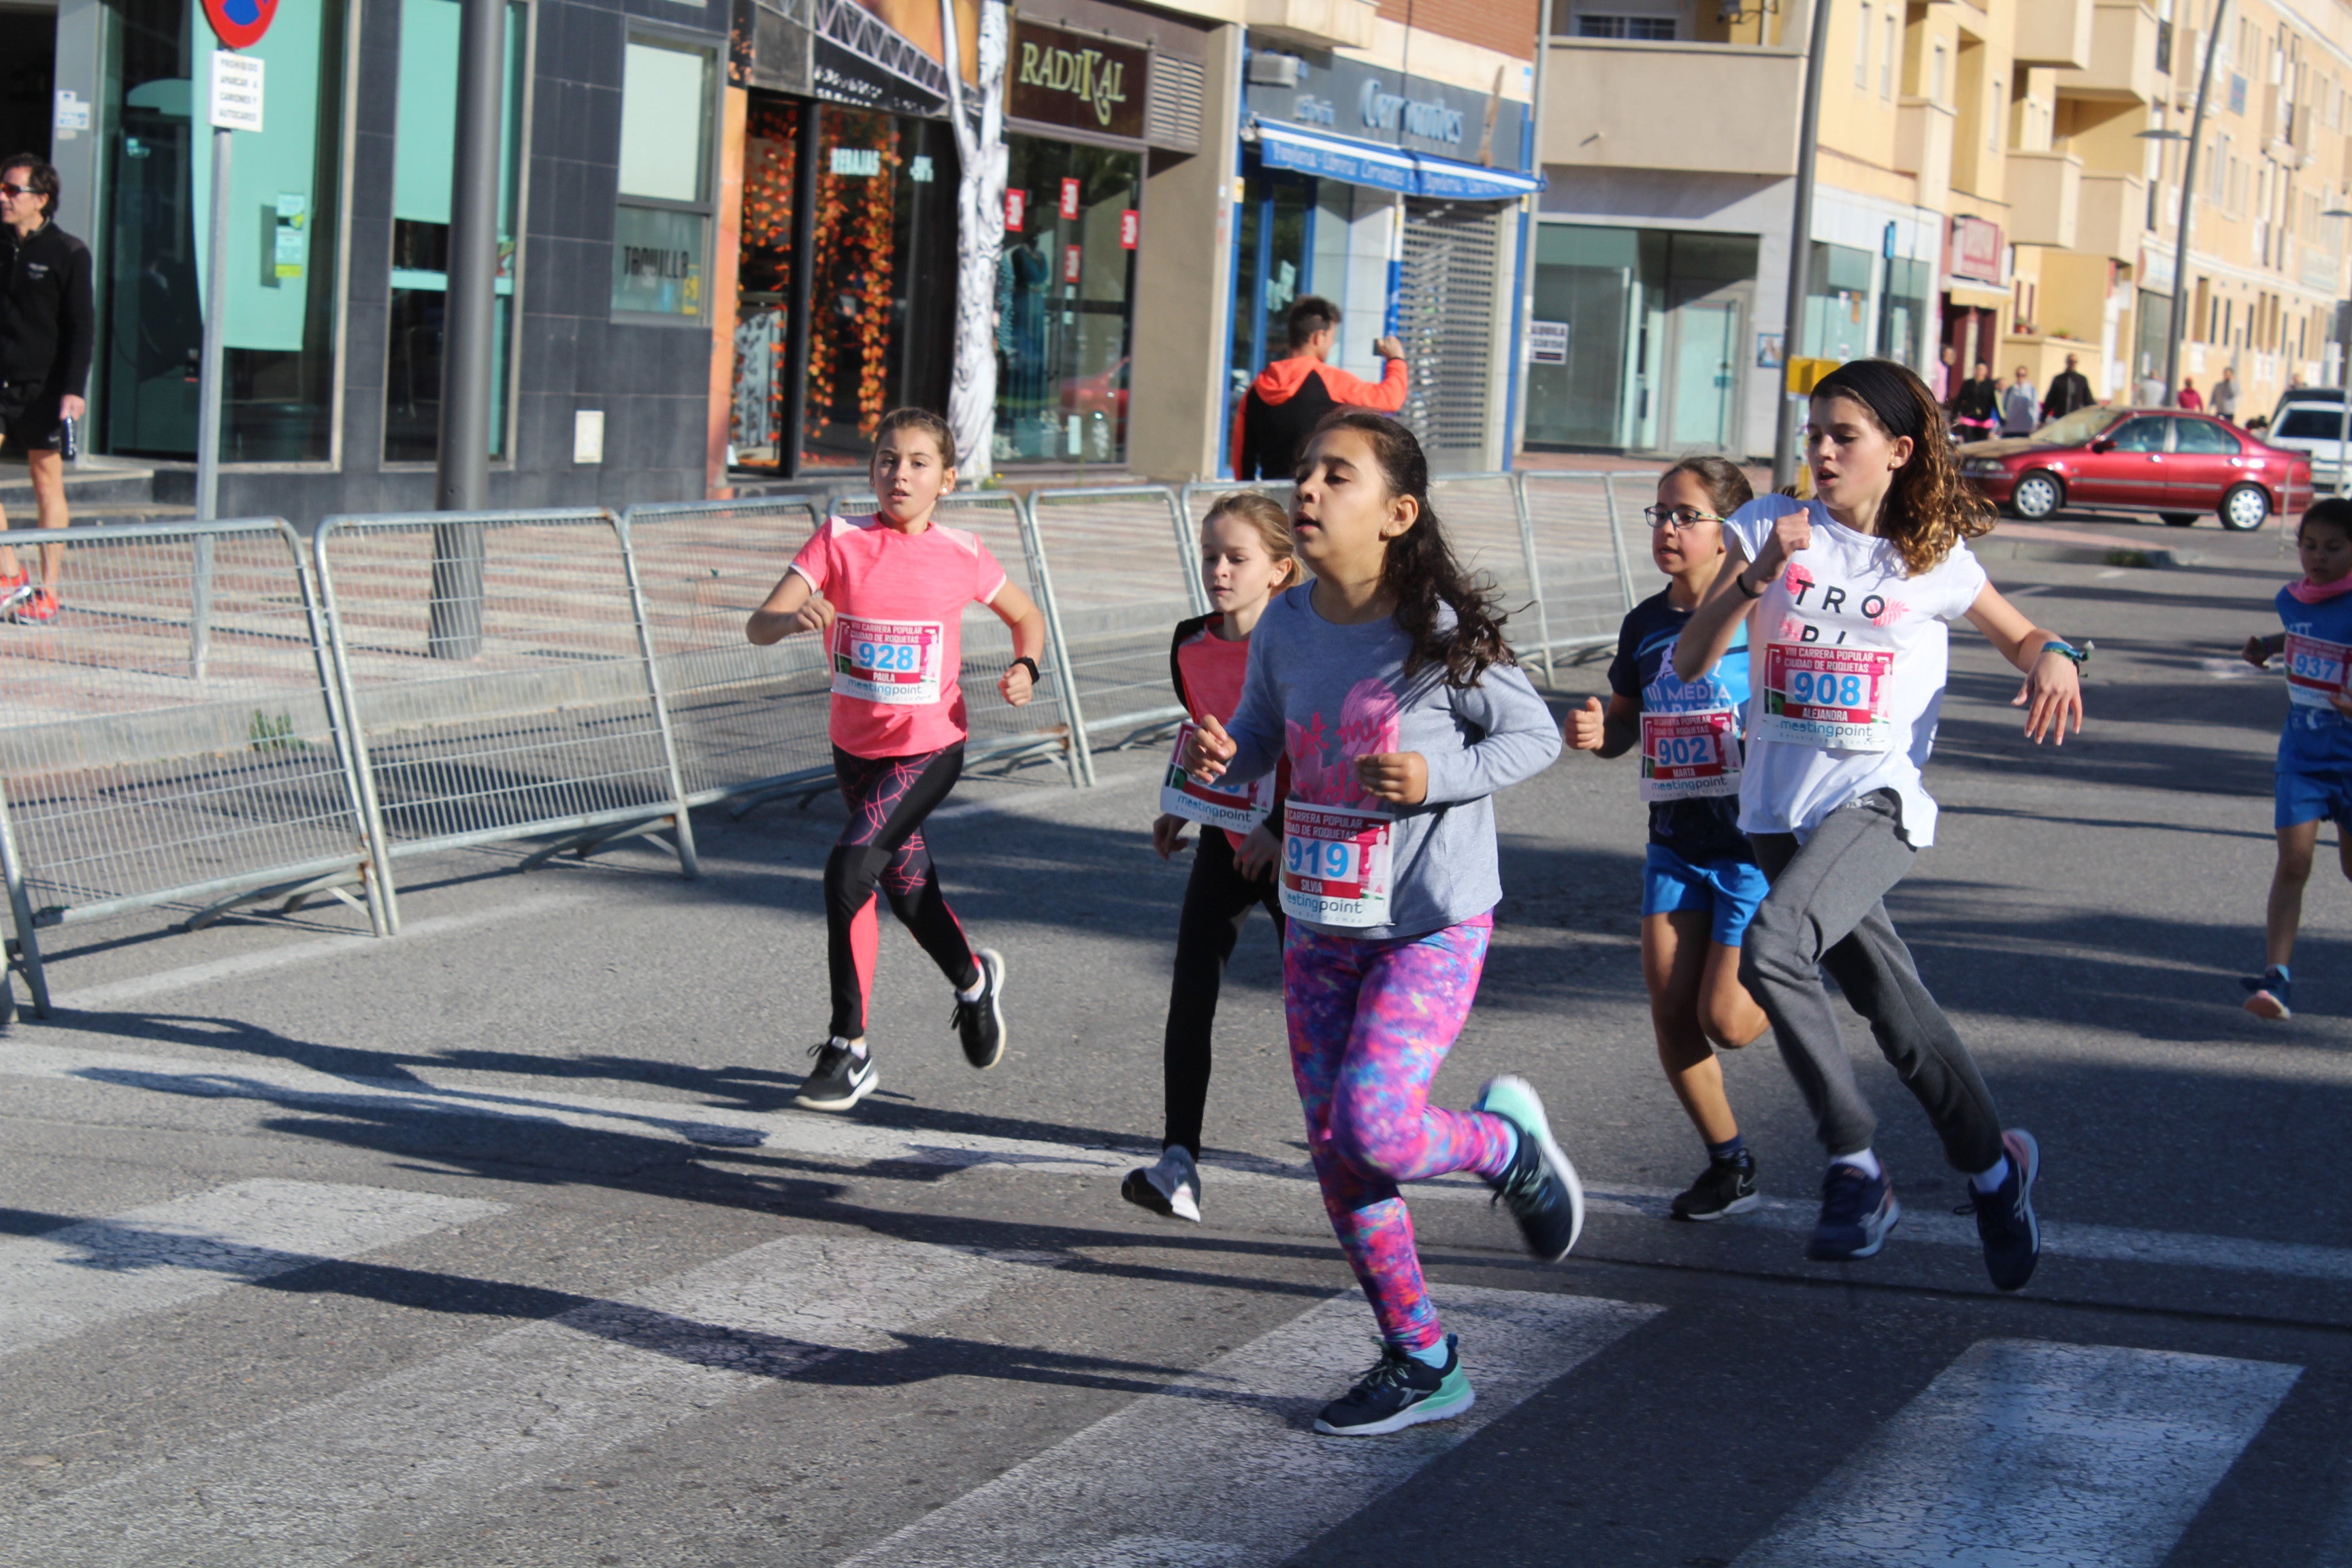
[[2313, 795], [1731, 888]]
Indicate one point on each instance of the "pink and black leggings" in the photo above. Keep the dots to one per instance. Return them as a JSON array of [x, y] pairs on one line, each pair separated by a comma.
[[1370, 1022], [882, 850]]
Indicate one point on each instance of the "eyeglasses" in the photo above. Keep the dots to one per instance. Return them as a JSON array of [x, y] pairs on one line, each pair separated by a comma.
[[8, 190], [1677, 516]]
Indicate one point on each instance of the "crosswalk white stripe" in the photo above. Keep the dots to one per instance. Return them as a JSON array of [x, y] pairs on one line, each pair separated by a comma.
[[2033, 1455], [852, 1141], [436, 1442], [1223, 1465], [75, 1277]]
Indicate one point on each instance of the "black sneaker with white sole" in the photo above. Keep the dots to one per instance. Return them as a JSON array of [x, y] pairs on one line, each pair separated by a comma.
[[1724, 1187], [1401, 1391], [1540, 1187], [2005, 1222], [1858, 1210], [980, 1021], [840, 1079]]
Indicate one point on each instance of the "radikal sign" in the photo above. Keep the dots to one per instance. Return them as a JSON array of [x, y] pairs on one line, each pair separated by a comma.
[[1081, 81]]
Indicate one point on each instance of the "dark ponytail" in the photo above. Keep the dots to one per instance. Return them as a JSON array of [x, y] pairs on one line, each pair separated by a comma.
[[1420, 569]]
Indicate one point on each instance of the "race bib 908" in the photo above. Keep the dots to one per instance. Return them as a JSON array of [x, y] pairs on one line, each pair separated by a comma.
[[1819, 694], [1691, 755], [1235, 808], [894, 662], [2315, 669], [1335, 865]]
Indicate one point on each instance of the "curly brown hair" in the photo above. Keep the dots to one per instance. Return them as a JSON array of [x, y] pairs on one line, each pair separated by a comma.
[[1421, 569], [1927, 509]]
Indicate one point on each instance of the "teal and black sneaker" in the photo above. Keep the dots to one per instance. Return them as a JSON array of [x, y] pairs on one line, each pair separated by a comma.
[[1401, 1391], [1540, 1188]]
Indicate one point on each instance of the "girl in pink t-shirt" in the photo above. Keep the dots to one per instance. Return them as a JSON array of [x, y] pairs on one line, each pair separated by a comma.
[[887, 592]]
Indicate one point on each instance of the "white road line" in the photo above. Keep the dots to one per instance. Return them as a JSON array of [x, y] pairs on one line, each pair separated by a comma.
[[2032, 1455], [95, 998], [851, 1141], [65, 1281], [1045, 800], [1225, 1466], [432, 1445]]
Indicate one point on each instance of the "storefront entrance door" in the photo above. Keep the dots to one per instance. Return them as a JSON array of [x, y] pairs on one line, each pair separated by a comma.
[[1702, 398]]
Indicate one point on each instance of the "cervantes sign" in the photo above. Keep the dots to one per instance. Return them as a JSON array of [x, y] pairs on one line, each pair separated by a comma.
[[1080, 81]]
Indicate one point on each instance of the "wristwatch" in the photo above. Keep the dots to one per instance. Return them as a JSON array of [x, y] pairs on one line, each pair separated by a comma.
[[1035, 674]]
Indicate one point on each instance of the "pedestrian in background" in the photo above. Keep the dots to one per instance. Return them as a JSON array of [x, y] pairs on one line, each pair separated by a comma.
[[1973, 408], [2225, 396], [2021, 405], [46, 328], [2188, 395], [2069, 390], [1291, 396]]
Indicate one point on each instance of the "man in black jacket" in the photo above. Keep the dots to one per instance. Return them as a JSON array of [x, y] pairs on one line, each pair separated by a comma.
[[2069, 390], [46, 321]]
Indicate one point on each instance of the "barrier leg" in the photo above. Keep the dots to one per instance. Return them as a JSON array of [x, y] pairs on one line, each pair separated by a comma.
[[1534, 571], [689, 864], [23, 948]]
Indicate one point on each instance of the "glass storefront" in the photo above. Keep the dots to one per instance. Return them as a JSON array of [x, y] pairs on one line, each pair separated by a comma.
[[1064, 290], [1837, 320], [882, 310], [285, 209]]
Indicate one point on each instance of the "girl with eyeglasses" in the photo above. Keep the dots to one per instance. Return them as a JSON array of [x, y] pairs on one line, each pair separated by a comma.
[[1701, 884]]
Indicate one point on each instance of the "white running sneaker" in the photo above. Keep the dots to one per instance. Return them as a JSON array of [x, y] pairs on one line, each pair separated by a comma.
[[1172, 1187]]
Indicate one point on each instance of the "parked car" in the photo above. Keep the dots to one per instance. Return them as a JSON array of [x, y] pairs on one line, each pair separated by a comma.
[[2178, 465], [2310, 425]]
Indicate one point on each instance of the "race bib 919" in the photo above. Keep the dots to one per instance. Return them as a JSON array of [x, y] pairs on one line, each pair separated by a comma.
[[1335, 865], [2315, 669], [895, 662], [1690, 756], [1820, 694], [1236, 809]]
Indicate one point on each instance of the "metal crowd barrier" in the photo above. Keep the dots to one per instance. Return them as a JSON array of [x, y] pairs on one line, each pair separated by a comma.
[[1125, 572], [145, 765], [1576, 541], [498, 673]]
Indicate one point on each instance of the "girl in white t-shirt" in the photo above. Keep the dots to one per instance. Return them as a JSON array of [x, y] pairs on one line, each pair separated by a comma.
[[1845, 599]]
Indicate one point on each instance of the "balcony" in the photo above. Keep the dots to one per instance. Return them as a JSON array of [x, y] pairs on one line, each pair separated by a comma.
[[2056, 33], [1923, 148], [1613, 104], [2045, 199], [1314, 24], [2112, 217], [2122, 55]]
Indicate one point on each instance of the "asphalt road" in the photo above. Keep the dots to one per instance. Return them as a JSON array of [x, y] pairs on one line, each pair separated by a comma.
[[498, 1243]]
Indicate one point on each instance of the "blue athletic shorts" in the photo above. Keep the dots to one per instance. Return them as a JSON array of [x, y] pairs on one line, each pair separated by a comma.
[[1731, 888], [2314, 795]]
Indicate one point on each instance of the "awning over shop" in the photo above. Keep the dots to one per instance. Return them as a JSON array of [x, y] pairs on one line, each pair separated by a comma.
[[1385, 168]]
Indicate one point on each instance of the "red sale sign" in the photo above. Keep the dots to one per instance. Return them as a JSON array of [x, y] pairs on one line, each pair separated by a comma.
[[1130, 228], [1069, 263], [1069, 198], [1017, 210]]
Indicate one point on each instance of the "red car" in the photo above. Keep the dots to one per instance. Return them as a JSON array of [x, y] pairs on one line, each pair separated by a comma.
[[2178, 465]]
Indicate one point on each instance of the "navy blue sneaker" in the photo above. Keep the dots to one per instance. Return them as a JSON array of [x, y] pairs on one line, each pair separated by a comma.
[[1540, 1188], [1857, 1211], [2005, 1222], [2268, 995], [1401, 1391]]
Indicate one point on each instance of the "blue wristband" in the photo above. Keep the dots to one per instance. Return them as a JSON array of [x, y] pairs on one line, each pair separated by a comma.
[[2065, 649]]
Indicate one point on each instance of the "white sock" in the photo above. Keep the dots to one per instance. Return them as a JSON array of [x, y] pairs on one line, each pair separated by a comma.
[[1428, 1356], [1990, 1181], [856, 1047], [1863, 1160], [979, 989]]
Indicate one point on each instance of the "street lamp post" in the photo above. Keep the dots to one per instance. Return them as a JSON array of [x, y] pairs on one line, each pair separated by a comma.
[[2344, 391], [2187, 203]]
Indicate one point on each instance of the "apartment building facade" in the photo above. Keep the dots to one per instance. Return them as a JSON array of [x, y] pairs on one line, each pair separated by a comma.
[[1997, 178]]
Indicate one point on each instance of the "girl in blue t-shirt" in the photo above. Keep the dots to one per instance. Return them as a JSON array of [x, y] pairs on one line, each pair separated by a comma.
[[2314, 754], [1701, 884]]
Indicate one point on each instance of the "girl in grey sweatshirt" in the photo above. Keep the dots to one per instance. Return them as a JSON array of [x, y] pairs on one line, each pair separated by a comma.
[[1387, 684]]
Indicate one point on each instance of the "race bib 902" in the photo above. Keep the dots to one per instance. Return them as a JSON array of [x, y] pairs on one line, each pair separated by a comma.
[[1819, 694], [1690, 756], [895, 662], [2315, 669], [1335, 865], [1235, 808]]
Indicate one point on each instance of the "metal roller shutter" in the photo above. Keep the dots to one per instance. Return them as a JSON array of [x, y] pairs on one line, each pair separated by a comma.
[[1450, 253]]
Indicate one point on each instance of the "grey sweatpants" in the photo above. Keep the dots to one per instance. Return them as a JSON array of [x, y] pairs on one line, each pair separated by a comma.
[[1825, 912]]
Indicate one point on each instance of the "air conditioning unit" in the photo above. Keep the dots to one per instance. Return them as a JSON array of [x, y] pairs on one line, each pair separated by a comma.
[[1275, 70]]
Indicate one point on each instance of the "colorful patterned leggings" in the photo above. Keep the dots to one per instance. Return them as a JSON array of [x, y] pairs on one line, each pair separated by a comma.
[[882, 849], [1370, 1022]]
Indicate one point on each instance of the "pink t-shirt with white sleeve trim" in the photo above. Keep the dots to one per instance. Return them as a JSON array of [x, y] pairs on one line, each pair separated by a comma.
[[896, 647]]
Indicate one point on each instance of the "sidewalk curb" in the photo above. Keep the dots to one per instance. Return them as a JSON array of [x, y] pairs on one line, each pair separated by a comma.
[[2157, 559]]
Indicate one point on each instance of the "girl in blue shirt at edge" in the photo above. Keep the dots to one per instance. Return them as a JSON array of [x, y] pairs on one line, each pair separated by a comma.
[[2314, 753], [1701, 884]]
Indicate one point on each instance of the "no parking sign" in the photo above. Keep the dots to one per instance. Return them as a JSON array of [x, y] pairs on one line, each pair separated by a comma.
[[239, 24]]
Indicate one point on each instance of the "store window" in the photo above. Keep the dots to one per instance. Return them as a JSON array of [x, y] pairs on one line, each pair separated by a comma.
[[882, 291], [1904, 315], [423, 154], [1837, 319], [285, 192], [661, 236], [1064, 292]]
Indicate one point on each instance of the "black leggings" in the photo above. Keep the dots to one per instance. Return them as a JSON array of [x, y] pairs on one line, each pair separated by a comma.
[[882, 849], [1217, 903]]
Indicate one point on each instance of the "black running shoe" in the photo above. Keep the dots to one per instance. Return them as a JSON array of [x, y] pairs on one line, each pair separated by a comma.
[[2005, 1222], [1401, 1391], [982, 1022], [1540, 1188], [840, 1079], [1726, 1186], [1857, 1211]]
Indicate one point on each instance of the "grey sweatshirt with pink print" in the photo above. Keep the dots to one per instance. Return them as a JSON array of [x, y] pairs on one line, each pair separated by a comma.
[[1326, 694]]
